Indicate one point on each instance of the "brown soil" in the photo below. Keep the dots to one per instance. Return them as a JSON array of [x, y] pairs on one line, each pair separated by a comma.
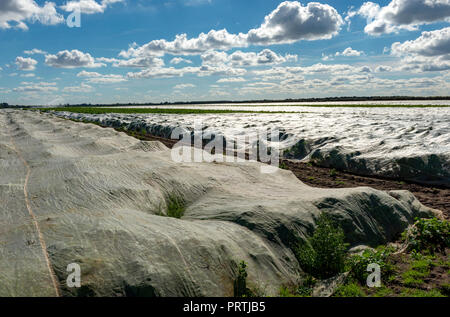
[[437, 279], [433, 197], [437, 198]]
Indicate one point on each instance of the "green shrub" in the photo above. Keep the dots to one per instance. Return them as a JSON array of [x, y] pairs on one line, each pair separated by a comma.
[[305, 289], [350, 290], [285, 292], [358, 263], [323, 255], [430, 235], [240, 283]]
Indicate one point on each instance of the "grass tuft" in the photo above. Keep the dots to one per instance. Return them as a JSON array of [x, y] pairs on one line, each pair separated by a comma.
[[175, 207]]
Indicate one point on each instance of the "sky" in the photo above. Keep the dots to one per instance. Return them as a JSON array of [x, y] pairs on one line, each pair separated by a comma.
[[121, 51]]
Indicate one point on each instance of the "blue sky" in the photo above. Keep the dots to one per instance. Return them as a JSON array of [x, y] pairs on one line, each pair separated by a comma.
[[155, 51]]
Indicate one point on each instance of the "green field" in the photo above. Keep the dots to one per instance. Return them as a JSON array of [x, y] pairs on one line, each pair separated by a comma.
[[168, 110]]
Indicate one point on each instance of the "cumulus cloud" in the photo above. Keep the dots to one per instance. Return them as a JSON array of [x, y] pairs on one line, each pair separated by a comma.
[[349, 52], [265, 57], [429, 52], [178, 60], [220, 70], [35, 51], [183, 86], [383, 69], [71, 59], [202, 71], [25, 63], [78, 89], [164, 72], [140, 62], [239, 58], [44, 87], [316, 70], [88, 6], [344, 84], [213, 40], [327, 58], [289, 22], [402, 14], [14, 13], [231, 80], [433, 43], [97, 78]]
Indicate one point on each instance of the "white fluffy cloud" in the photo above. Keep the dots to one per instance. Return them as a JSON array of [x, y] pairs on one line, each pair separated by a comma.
[[402, 14], [239, 58], [35, 51], [296, 74], [140, 62], [265, 57], [218, 40], [289, 22], [220, 70], [178, 60], [71, 59], [183, 86], [25, 63], [231, 80], [202, 71], [14, 13], [429, 52], [83, 88], [383, 69], [346, 83], [166, 72], [88, 6], [97, 78], [43, 87], [349, 52], [433, 43]]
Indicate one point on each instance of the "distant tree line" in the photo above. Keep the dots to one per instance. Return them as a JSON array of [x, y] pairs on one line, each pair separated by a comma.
[[6, 105], [312, 100]]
